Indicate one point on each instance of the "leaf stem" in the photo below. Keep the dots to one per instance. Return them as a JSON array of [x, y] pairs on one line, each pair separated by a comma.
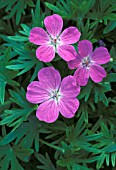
[[52, 146]]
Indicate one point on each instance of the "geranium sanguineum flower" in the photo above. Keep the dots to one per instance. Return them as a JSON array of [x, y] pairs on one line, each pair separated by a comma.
[[52, 41], [88, 63], [55, 96]]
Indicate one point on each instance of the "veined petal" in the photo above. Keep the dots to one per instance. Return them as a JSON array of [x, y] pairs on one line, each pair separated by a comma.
[[97, 73], [45, 53], [68, 107], [53, 24], [37, 92], [50, 77], [75, 63], [101, 55], [81, 75], [48, 111], [67, 52], [69, 88], [38, 36], [85, 48], [70, 35]]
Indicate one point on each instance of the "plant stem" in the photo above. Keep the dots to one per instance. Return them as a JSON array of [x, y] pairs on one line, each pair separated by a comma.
[[52, 146]]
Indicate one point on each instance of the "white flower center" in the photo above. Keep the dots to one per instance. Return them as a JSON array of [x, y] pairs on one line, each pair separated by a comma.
[[86, 62], [55, 41], [55, 95]]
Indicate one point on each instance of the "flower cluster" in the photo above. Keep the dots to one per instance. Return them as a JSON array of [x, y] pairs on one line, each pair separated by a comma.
[[50, 92]]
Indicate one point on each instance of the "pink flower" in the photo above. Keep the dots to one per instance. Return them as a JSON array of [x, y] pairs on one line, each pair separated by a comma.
[[55, 96], [88, 63], [52, 41]]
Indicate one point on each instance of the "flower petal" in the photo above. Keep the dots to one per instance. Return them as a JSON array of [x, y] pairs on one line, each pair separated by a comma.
[[53, 24], [75, 63], [45, 53], [67, 52], [48, 111], [101, 55], [81, 75], [97, 73], [70, 35], [50, 77], [37, 92], [69, 88], [85, 48], [68, 107], [38, 36]]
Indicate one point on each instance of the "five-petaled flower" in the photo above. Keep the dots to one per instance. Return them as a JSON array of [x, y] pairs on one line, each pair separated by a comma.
[[88, 63], [55, 96], [52, 41]]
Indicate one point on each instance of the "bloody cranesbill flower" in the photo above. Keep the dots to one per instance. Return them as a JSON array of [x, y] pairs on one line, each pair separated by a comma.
[[52, 41], [55, 96], [88, 63]]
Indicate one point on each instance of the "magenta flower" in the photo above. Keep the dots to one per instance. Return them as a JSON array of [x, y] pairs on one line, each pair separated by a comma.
[[52, 41], [55, 96], [88, 63]]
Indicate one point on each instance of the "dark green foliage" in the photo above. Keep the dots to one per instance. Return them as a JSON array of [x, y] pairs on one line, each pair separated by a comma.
[[85, 142], [15, 6], [47, 163]]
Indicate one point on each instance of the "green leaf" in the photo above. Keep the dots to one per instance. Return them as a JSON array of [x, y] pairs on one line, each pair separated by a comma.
[[83, 7], [45, 161], [23, 154], [11, 116], [99, 91], [111, 77], [2, 88], [6, 75], [37, 19], [110, 16], [113, 159], [15, 116], [79, 167], [19, 97], [111, 26], [26, 30], [85, 92], [101, 161], [26, 135], [39, 66], [18, 38], [16, 7], [26, 61], [53, 7], [63, 8], [8, 157]]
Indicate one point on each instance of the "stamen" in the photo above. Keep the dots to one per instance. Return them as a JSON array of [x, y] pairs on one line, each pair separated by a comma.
[[55, 95], [55, 41], [86, 62]]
